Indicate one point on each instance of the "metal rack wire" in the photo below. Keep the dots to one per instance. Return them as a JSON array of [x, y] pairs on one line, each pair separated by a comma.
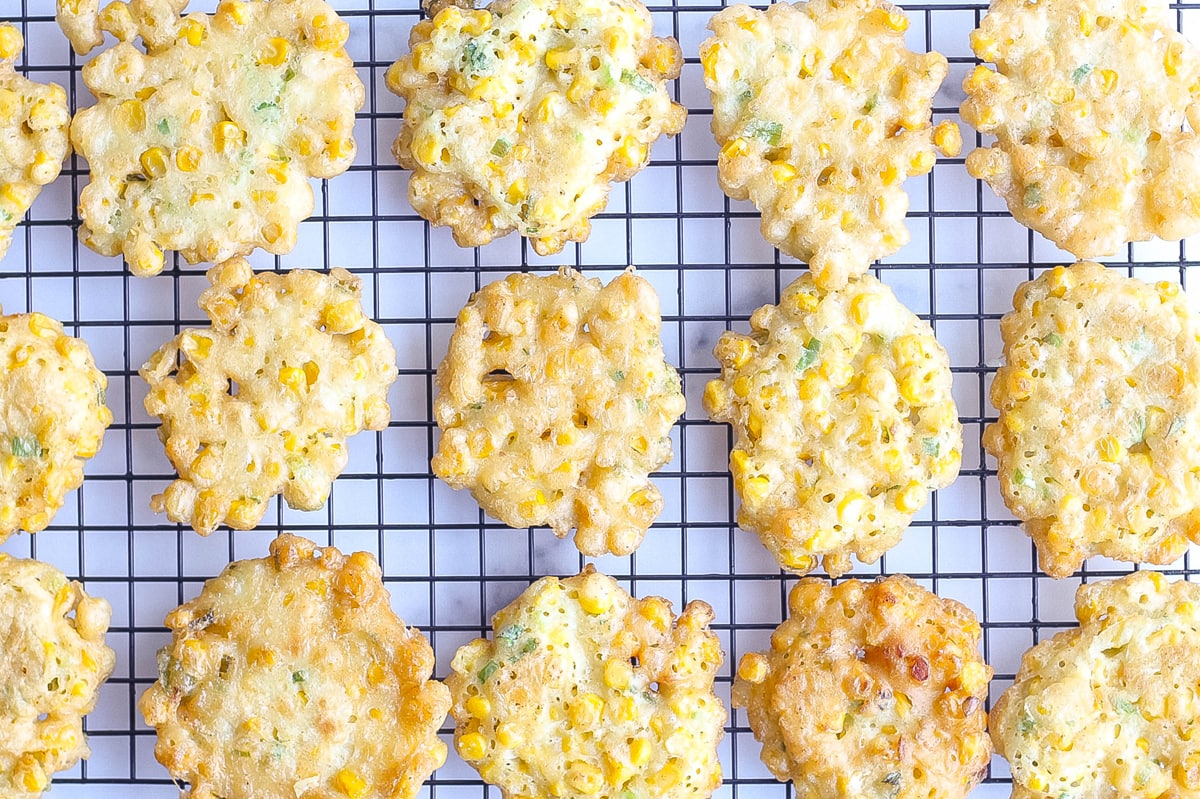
[[448, 567]]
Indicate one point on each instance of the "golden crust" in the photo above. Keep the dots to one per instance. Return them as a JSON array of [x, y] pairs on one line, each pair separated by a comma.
[[1108, 709], [205, 143], [54, 662], [33, 136], [1098, 437], [821, 112], [870, 690], [843, 421], [523, 115], [555, 405], [53, 418], [585, 691], [290, 677], [262, 402], [1088, 103]]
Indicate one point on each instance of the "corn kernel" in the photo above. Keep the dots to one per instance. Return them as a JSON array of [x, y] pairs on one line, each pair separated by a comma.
[[1173, 58], [274, 52], [615, 38], [585, 778], [187, 158], [351, 783], [193, 32], [617, 674], [327, 34], [11, 42], [585, 712], [227, 136], [752, 668], [947, 138], [517, 191], [911, 498], [593, 598], [558, 58], [783, 172], [476, 22], [640, 750], [1110, 449], [154, 162], [472, 746], [233, 11]]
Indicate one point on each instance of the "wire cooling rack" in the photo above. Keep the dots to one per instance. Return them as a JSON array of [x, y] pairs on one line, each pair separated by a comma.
[[448, 567]]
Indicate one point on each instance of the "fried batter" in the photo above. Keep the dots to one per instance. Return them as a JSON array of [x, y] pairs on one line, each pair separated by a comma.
[[586, 692], [205, 143], [1093, 104], [821, 112], [1109, 709], [262, 402], [843, 422], [290, 677], [1098, 437], [522, 115], [54, 662], [555, 404], [870, 690]]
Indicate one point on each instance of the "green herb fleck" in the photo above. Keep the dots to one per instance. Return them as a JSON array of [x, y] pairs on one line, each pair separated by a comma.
[[1140, 348], [871, 104], [745, 96], [52, 685], [1176, 425], [300, 675], [765, 131], [810, 354], [1022, 479], [26, 447], [501, 148], [1033, 195], [617, 375], [1026, 725], [289, 74], [511, 634], [606, 78], [1123, 705], [642, 404], [632, 78], [478, 58], [164, 127], [1080, 73], [476, 406], [101, 395], [628, 795], [5, 215], [267, 106], [487, 671], [931, 447], [529, 646], [1053, 339]]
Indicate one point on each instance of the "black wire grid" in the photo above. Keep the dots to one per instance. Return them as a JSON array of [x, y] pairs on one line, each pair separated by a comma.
[[447, 566]]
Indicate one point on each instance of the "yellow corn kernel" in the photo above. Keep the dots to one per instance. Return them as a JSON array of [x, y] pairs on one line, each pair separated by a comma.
[[227, 136], [33, 777], [427, 150], [1110, 448], [911, 498], [585, 778], [517, 191], [526, 54], [200, 197], [894, 18], [810, 386], [1019, 383], [633, 152], [233, 11], [351, 783], [657, 612], [640, 750], [1108, 80], [506, 735], [783, 172], [615, 38], [903, 705], [154, 162], [585, 711], [329, 34], [274, 52], [271, 232], [545, 109], [11, 42], [472, 746], [193, 31], [617, 674], [1173, 58], [479, 707], [735, 147], [261, 656], [852, 507], [947, 138], [292, 377], [1086, 23], [922, 162], [476, 22], [558, 58], [668, 777], [340, 149], [563, 15], [752, 668], [187, 158], [593, 597], [971, 748], [134, 114], [755, 489]]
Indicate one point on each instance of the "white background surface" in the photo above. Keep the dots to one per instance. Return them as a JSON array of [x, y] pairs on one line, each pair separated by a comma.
[[448, 568]]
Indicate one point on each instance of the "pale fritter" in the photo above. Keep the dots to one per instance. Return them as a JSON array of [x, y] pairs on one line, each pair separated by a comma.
[[33, 135], [52, 418], [290, 677], [587, 692], [555, 403], [821, 112], [1098, 437], [843, 421], [1094, 108], [522, 115], [262, 402], [870, 690], [206, 142], [53, 665], [1109, 709]]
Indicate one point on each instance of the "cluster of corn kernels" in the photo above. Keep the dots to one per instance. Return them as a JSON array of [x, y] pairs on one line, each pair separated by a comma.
[[215, 175], [843, 421], [1097, 438], [33, 132], [554, 707], [54, 662], [310, 370], [1111, 706], [821, 113], [57, 418], [865, 688], [1094, 108], [520, 116], [555, 404], [278, 694]]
